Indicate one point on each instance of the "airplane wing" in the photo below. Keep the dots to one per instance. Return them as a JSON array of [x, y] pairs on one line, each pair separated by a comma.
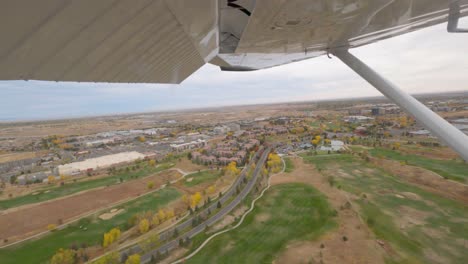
[[283, 31], [164, 41], [140, 41]]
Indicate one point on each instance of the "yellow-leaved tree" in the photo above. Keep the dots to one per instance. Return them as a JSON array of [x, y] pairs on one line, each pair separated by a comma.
[[64, 256], [161, 215], [187, 200], [196, 199], [170, 214], [133, 259], [111, 258], [274, 162], [110, 237], [211, 189], [143, 226], [155, 220], [231, 169]]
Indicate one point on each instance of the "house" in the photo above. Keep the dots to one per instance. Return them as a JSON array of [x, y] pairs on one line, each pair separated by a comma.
[[208, 160], [357, 119], [335, 145], [422, 132], [190, 145]]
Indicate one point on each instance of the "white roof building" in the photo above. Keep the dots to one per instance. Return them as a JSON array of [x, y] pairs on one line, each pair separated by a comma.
[[335, 145], [100, 162]]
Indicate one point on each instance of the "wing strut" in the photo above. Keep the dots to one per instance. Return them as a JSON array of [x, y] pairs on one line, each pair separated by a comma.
[[454, 16], [447, 133]]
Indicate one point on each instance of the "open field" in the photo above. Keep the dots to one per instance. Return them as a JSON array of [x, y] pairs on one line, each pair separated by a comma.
[[201, 177], [187, 165], [17, 223], [451, 169], [17, 156], [53, 192], [414, 225], [330, 248], [286, 213], [40, 251]]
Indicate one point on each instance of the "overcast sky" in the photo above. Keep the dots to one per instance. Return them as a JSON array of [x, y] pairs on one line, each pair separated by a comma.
[[429, 60]]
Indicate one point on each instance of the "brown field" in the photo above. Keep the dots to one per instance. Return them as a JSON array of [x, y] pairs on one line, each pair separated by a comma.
[[187, 166], [21, 222], [442, 153], [425, 179], [18, 156], [362, 249]]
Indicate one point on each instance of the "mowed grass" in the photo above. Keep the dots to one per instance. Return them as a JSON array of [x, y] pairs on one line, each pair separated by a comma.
[[49, 193], [451, 169], [41, 250], [201, 177], [415, 222], [289, 165], [286, 213]]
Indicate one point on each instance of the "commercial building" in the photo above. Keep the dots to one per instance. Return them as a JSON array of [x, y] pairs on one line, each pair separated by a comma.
[[99, 163]]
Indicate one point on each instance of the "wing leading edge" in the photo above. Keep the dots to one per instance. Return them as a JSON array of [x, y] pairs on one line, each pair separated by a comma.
[[165, 41]]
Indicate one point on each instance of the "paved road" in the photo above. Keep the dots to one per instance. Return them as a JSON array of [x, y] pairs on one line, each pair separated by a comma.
[[169, 234]]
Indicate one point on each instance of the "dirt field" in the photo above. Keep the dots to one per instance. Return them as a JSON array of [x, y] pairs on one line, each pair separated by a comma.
[[18, 156], [361, 247], [23, 222], [442, 153], [428, 180], [187, 166]]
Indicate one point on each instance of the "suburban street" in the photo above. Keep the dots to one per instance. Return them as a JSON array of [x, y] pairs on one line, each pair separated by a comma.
[[169, 234]]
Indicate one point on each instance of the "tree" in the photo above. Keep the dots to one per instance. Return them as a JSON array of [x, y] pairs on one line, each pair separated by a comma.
[[218, 205], [143, 226], [149, 243], [195, 199], [110, 237], [64, 256], [150, 185], [155, 220], [111, 258], [51, 179], [231, 169], [170, 214], [274, 162], [211, 189], [187, 200], [161, 215], [152, 163], [133, 259]]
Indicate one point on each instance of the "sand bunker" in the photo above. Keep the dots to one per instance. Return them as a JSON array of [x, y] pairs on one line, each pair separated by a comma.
[[112, 213]]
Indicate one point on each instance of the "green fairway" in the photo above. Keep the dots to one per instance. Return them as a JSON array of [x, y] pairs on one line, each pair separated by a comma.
[[451, 169], [286, 213], [74, 187], [41, 250], [414, 221], [201, 177], [289, 165]]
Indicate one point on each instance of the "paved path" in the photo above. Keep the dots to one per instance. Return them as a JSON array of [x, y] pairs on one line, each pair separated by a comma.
[[174, 243], [252, 206]]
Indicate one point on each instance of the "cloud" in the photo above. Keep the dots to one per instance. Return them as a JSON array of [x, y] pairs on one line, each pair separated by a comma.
[[428, 60]]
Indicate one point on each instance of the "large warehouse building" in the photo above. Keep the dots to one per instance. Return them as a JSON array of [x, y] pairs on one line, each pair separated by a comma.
[[99, 163]]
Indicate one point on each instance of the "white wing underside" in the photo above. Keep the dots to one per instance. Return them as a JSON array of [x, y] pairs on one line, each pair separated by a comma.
[[164, 41]]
